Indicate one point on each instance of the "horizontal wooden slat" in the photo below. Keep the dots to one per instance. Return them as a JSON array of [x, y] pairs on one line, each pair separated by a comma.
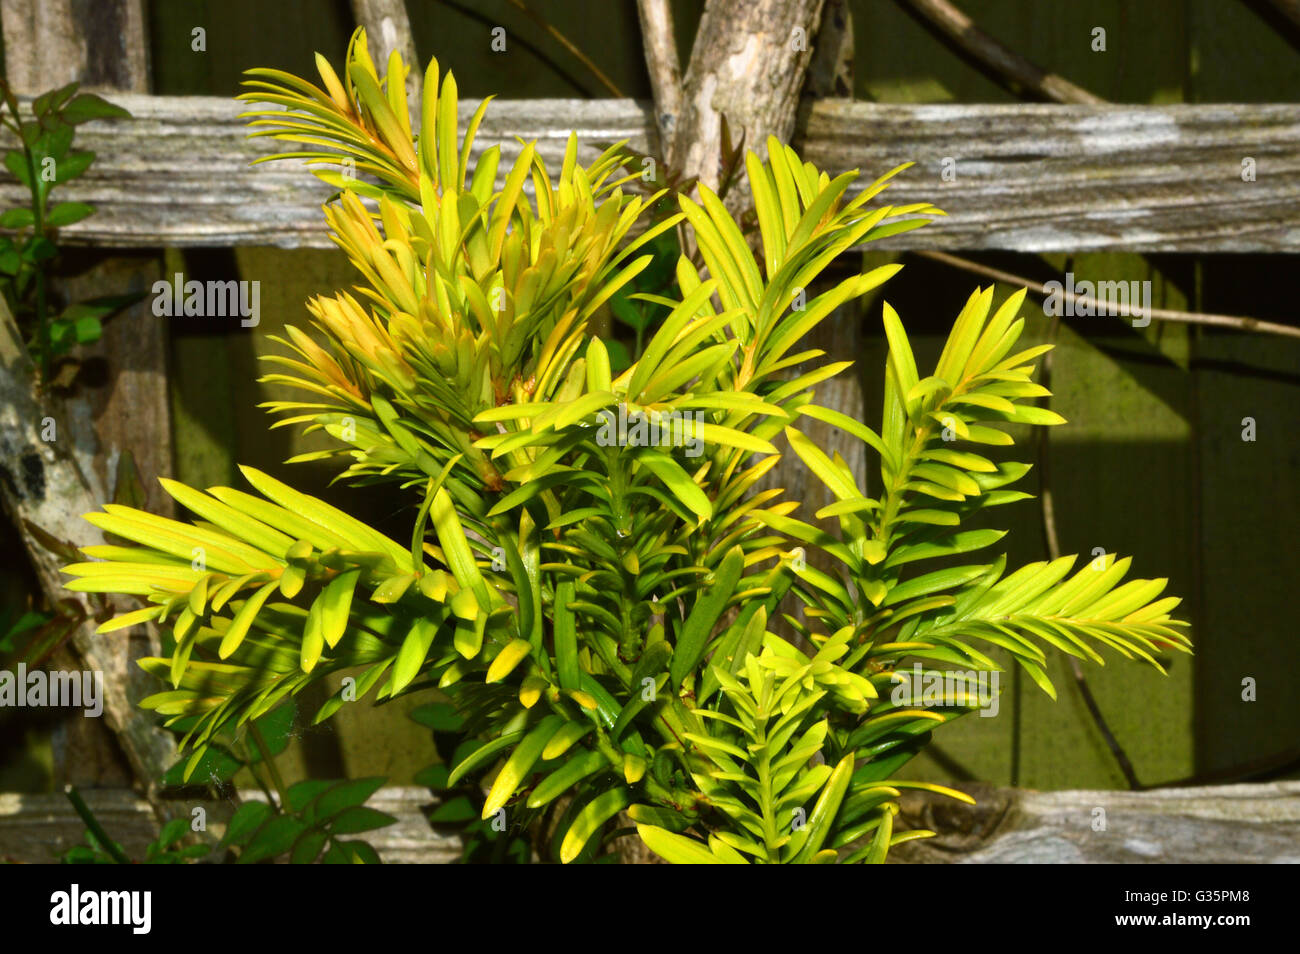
[[1028, 177], [1228, 824], [179, 173], [1218, 824], [40, 828], [1043, 178]]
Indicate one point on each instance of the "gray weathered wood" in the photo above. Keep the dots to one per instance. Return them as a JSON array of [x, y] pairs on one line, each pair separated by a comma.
[[747, 64], [1228, 824], [51, 483], [659, 40], [388, 31], [178, 173], [49, 43], [1039, 178], [40, 828], [1028, 177], [1217, 825]]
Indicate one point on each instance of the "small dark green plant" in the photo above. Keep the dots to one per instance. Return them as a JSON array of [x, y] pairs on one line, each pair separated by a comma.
[[597, 596], [43, 159], [99, 849], [310, 824], [304, 822]]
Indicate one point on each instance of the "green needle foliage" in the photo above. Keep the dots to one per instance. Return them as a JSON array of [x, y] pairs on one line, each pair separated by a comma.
[[601, 611]]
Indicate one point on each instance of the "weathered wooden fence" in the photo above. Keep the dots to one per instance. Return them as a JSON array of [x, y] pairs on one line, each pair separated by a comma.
[[1024, 178]]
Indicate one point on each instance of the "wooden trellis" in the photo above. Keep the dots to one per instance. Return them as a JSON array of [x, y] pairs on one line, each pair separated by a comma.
[[1024, 178]]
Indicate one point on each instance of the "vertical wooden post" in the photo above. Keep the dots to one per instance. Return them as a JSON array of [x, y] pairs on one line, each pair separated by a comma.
[[49, 43], [388, 28], [749, 62]]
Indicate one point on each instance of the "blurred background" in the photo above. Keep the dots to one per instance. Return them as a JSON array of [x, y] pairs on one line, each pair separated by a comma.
[[1152, 464]]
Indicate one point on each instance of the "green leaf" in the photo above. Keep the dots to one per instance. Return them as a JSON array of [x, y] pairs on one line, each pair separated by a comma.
[[577, 768], [439, 716], [238, 629], [66, 213], [344, 795], [566, 637], [678, 482], [520, 764], [359, 818], [274, 837], [248, 817], [837, 481], [16, 163], [214, 767], [87, 106], [693, 639], [933, 583], [39, 249], [413, 652], [172, 832], [17, 219], [54, 99], [72, 165], [588, 821], [453, 811], [900, 352], [481, 754], [307, 848], [676, 849], [87, 330], [301, 794], [628, 314], [276, 728]]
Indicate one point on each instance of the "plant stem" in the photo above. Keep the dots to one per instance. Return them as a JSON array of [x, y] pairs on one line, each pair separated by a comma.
[[95, 828], [565, 42], [1013, 68], [1237, 322], [269, 761], [38, 231]]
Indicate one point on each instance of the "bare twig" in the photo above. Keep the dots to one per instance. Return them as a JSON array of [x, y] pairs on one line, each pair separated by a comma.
[[106, 842], [1235, 322], [1020, 71], [1048, 510], [665, 71], [564, 41], [1005, 61], [1287, 8], [1278, 765]]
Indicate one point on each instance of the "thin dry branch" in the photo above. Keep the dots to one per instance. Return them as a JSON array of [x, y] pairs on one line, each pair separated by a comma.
[[962, 30], [565, 42], [1287, 8], [660, 43], [1235, 322]]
